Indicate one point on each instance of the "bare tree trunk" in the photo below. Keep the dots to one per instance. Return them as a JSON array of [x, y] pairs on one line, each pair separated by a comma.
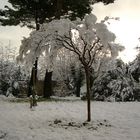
[[33, 79], [35, 71], [79, 82], [88, 94], [48, 84], [78, 86], [30, 84], [32, 89], [34, 85]]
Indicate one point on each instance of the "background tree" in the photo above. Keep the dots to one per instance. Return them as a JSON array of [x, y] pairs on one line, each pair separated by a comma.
[[33, 13], [90, 41], [90, 44]]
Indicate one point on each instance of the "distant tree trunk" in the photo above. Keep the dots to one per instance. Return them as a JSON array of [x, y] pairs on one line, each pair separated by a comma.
[[77, 77], [87, 71], [33, 79], [30, 84], [78, 86], [48, 84], [78, 83], [32, 88], [59, 8], [36, 68], [91, 79]]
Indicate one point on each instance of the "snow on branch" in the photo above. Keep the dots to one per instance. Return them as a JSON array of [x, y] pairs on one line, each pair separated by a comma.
[[91, 41]]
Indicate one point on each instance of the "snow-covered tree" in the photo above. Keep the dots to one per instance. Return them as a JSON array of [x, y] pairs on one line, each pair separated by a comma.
[[92, 42], [41, 42]]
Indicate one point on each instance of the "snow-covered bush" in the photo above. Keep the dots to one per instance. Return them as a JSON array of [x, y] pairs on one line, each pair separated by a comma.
[[10, 76], [10, 72], [116, 84], [134, 69]]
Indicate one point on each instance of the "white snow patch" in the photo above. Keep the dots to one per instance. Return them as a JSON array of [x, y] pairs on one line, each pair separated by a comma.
[[66, 121]]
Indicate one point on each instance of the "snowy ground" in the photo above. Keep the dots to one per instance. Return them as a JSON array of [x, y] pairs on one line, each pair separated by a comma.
[[65, 120]]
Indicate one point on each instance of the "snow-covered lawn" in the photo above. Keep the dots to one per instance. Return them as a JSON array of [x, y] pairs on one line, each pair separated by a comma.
[[65, 120]]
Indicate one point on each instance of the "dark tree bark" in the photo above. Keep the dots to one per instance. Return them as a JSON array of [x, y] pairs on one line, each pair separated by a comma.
[[48, 84], [32, 87], [79, 83], [33, 79], [78, 86], [30, 84], [88, 94]]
